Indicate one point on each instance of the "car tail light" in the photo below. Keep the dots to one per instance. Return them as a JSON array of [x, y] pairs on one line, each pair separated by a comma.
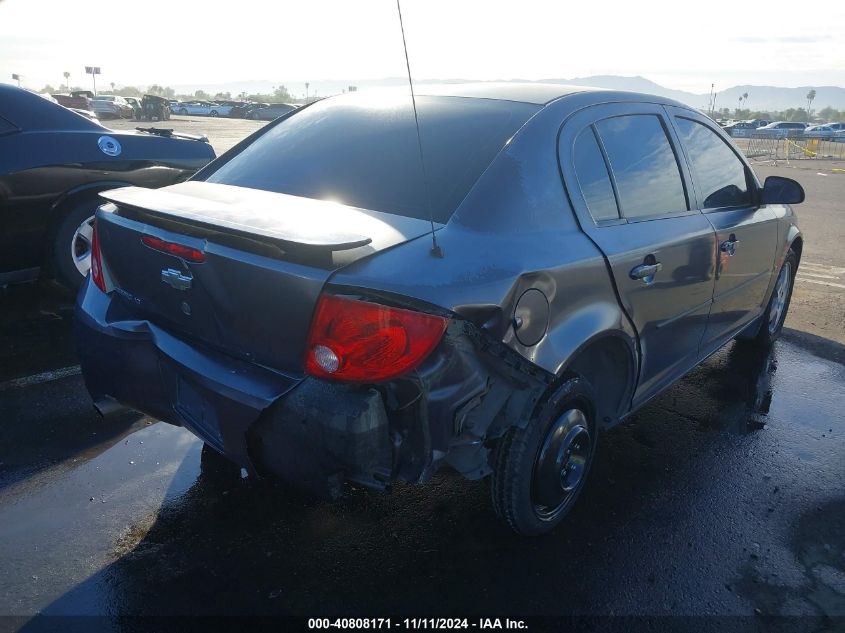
[[97, 273], [171, 248], [358, 341]]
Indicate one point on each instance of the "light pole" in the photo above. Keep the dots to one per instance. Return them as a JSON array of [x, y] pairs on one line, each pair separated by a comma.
[[93, 71], [67, 80]]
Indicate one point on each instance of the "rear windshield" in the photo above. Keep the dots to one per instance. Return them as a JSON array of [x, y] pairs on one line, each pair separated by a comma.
[[363, 151]]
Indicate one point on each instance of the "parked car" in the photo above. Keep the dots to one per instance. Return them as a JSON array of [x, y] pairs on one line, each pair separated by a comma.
[[79, 102], [270, 112], [314, 309], [242, 111], [153, 108], [759, 122], [203, 108], [824, 131], [239, 109], [112, 106], [53, 163], [740, 128], [135, 104], [778, 129]]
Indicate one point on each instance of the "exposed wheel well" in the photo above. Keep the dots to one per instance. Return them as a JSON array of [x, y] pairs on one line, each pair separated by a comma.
[[797, 246], [608, 365]]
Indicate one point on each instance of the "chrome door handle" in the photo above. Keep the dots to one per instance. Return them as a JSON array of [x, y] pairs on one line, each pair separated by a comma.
[[729, 246], [646, 272]]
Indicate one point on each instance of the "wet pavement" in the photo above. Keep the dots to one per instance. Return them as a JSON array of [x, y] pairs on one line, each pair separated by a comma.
[[725, 496]]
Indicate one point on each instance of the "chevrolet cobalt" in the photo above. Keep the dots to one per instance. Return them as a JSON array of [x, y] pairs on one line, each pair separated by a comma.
[[345, 297]]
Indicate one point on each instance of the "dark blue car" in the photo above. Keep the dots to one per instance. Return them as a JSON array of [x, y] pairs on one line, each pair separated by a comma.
[[333, 301]]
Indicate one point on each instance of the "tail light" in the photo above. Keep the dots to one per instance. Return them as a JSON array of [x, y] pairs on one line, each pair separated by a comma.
[[358, 341], [97, 273], [171, 248]]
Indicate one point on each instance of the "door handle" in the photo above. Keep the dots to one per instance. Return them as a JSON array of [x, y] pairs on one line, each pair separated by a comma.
[[729, 246], [646, 272]]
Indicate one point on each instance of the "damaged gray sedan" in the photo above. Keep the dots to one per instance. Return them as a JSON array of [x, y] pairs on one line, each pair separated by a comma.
[[339, 300]]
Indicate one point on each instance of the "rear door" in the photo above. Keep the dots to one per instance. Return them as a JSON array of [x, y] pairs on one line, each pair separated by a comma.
[[746, 233], [630, 193]]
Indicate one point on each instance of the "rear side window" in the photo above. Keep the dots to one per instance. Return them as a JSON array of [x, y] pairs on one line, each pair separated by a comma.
[[648, 179], [719, 174], [361, 150], [593, 178]]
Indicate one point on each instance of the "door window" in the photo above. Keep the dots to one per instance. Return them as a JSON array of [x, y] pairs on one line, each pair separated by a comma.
[[719, 173], [593, 178], [643, 163]]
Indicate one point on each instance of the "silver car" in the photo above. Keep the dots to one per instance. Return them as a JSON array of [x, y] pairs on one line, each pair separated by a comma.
[[203, 108]]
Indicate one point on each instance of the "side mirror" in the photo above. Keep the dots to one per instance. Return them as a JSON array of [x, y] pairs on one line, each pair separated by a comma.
[[780, 190]]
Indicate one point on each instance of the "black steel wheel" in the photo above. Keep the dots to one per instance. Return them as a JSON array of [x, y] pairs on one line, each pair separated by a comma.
[[540, 470]]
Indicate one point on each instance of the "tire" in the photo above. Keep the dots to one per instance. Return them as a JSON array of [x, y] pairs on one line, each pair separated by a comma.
[[213, 113], [773, 318], [540, 470], [183, 112], [71, 252]]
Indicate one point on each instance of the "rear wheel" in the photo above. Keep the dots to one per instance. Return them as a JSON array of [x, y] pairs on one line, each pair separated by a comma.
[[183, 112], [540, 470], [214, 113], [72, 244], [770, 324]]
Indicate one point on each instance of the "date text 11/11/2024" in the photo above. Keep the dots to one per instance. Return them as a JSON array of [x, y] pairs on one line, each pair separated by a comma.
[[417, 623]]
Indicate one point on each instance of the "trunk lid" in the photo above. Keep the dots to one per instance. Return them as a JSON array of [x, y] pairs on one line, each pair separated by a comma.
[[266, 258]]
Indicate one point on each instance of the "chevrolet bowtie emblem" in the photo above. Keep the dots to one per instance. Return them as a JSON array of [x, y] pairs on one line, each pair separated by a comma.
[[175, 278]]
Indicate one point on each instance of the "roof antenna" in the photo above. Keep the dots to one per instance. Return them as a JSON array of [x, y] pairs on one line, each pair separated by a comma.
[[435, 249]]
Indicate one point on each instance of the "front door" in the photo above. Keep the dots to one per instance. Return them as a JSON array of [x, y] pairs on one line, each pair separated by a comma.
[[628, 188], [746, 233]]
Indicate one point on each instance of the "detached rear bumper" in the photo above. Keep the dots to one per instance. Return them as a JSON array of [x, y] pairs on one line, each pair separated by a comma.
[[310, 433]]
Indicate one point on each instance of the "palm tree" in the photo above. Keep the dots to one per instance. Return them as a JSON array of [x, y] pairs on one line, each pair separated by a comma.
[[745, 98], [112, 87], [67, 82], [810, 96]]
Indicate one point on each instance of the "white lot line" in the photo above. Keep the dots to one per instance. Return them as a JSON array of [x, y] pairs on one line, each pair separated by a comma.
[[821, 283], [813, 274], [833, 270], [37, 379]]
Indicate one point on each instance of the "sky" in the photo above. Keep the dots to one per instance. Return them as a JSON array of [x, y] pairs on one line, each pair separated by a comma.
[[680, 45]]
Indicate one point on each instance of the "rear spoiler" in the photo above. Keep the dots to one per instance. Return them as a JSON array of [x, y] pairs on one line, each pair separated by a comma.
[[170, 133], [289, 222]]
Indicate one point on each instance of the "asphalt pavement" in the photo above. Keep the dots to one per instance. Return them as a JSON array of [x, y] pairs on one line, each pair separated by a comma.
[[723, 497]]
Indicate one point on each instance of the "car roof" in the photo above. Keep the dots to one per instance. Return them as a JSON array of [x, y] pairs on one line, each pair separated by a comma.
[[527, 92], [535, 93], [30, 112]]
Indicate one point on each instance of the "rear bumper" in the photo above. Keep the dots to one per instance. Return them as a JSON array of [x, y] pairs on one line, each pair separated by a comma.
[[310, 433]]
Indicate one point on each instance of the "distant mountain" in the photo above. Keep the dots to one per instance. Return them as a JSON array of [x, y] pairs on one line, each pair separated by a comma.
[[759, 97]]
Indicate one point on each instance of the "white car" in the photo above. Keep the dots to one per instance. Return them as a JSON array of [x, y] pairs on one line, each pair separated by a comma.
[[828, 130], [202, 108]]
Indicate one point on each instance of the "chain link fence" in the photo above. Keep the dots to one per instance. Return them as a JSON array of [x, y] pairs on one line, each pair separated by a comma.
[[758, 147]]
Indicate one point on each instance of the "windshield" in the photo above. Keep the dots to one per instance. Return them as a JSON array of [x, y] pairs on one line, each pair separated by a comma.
[[363, 151]]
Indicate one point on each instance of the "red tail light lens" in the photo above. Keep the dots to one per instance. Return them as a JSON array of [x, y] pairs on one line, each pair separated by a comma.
[[97, 275], [358, 341], [171, 248]]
